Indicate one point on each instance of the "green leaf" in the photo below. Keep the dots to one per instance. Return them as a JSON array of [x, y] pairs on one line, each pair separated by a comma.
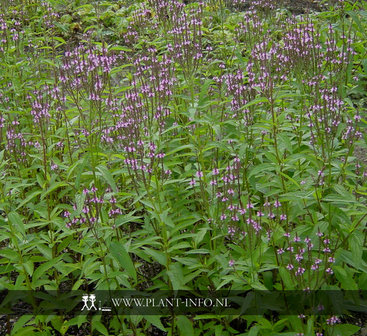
[[286, 142], [345, 278], [29, 267], [362, 282], [42, 269], [345, 329], [59, 39], [80, 199], [25, 331], [286, 278], [21, 322], [176, 276], [165, 218], [53, 187], [200, 235], [156, 255], [260, 169], [15, 219], [80, 165], [128, 218], [338, 199], [156, 321], [10, 254], [45, 250], [289, 178], [120, 48], [254, 330], [100, 327], [296, 196], [78, 321], [29, 198], [198, 251], [120, 254], [356, 19], [179, 246], [255, 101], [350, 259], [108, 177], [185, 326]]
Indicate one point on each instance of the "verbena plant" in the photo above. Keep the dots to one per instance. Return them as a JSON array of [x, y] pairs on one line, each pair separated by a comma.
[[173, 145]]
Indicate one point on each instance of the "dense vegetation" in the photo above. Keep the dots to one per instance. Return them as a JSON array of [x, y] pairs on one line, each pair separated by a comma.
[[167, 145]]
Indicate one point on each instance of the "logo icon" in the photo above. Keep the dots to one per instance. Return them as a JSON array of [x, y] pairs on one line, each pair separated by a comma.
[[89, 298]]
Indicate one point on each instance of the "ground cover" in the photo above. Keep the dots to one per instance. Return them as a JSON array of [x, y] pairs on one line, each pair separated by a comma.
[[213, 147]]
